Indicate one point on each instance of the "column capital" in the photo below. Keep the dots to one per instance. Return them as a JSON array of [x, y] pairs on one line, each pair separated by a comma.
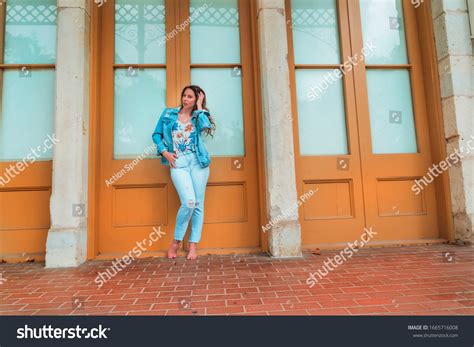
[[82, 4], [271, 4]]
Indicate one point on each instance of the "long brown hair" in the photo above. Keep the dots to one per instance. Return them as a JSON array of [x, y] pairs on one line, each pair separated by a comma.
[[196, 90]]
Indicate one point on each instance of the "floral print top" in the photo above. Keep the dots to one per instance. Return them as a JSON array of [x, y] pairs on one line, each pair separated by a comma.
[[183, 137]]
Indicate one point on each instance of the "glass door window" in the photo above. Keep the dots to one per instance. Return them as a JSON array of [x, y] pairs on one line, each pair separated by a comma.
[[216, 67], [27, 78], [319, 86], [388, 78], [140, 74]]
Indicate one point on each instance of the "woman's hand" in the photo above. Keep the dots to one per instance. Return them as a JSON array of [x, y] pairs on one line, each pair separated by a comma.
[[171, 157], [200, 100]]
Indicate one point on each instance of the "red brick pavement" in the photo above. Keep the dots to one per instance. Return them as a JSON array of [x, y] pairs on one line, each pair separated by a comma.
[[415, 280]]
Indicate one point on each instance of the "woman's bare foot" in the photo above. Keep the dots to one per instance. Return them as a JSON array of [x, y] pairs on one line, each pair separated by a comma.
[[173, 250], [192, 254]]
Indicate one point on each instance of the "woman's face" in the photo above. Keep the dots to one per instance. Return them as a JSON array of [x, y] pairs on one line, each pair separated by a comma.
[[189, 99]]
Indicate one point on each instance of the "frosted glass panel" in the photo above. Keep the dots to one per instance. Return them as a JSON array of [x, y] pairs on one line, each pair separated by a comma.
[[140, 97], [214, 29], [30, 32], [140, 33], [391, 112], [321, 114], [223, 89], [384, 27], [27, 115], [315, 31]]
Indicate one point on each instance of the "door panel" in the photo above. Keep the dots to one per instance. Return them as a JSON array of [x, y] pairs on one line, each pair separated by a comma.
[[360, 132], [393, 122], [221, 63], [140, 78], [325, 131], [27, 94], [135, 79]]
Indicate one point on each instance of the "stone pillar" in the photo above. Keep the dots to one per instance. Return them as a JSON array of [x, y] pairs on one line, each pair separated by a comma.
[[66, 244], [281, 194], [455, 60]]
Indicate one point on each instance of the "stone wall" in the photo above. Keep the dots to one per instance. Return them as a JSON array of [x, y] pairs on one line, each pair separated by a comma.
[[455, 62]]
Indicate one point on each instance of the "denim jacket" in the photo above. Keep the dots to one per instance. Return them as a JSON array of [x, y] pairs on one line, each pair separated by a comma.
[[163, 138]]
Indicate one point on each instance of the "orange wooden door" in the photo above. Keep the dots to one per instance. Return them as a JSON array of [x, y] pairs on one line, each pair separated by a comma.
[[330, 167], [145, 62], [27, 91], [232, 201], [361, 129], [393, 123]]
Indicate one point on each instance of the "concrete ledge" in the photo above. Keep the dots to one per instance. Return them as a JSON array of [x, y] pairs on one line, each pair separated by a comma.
[[377, 244]]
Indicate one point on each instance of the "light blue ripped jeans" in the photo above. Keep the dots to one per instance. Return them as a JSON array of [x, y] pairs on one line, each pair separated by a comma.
[[190, 180]]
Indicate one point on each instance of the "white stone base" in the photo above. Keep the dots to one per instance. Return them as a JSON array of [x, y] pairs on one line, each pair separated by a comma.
[[66, 247], [285, 240]]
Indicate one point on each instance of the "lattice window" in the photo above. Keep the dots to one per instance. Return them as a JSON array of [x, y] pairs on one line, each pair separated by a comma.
[[141, 25], [213, 16], [31, 15], [130, 14], [309, 18], [153, 14]]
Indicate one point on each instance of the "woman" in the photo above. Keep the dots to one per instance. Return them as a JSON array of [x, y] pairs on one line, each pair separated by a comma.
[[180, 145]]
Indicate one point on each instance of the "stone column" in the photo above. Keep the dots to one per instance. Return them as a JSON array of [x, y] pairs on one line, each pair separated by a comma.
[[66, 244], [455, 60], [285, 234]]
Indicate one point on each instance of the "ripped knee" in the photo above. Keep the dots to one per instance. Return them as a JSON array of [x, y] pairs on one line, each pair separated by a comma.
[[191, 203]]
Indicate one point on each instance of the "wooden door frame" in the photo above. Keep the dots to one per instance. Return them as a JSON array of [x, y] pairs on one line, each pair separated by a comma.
[[94, 147], [94, 120], [425, 37]]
